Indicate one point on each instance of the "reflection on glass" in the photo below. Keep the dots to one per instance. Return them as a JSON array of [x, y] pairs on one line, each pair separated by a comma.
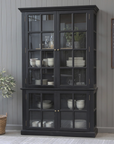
[[47, 59], [66, 58], [65, 22], [48, 119], [34, 41], [34, 23], [80, 120], [79, 21], [35, 119], [48, 101], [48, 22], [66, 40], [34, 59], [79, 40], [66, 77], [48, 41], [35, 77], [79, 58], [80, 77], [34, 99], [66, 120], [47, 77], [80, 101], [66, 101]]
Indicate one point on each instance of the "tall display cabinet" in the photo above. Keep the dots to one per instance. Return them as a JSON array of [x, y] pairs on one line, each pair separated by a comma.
[[59, 70]]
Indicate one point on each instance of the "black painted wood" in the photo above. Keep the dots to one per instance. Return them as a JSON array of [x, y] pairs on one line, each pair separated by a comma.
[[89, 90]]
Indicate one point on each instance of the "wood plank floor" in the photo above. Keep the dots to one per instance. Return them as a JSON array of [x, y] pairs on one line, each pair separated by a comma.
[[14, 137]]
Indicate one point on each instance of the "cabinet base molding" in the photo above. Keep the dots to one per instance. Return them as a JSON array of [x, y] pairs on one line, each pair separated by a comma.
[[59, 133]]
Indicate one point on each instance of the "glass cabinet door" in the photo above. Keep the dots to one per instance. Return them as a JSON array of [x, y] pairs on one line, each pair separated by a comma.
[[40, 51], [73, 110], [41, 110], [73, 49]]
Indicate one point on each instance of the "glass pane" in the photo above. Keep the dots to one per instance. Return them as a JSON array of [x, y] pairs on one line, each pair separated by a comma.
[[66, 120], [35, 77], [80, 120], [34, 99], [34, 23], [48, 41], [47, 77], [66, 101], [48, 119], [47, 59], [80, 101], [35, 119], [48, 101], [66, 77], [79, 58], [66, 58], [80, 77], [79, 40], [66, 40], [48, 22], [34, 41], [79, 21], [65, 22], [34, 59]]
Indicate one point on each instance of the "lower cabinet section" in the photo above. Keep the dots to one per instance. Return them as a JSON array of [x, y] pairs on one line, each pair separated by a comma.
[[59, 113]]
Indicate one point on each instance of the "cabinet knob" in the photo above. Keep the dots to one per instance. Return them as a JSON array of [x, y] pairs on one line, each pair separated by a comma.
[[55, 110], [54, 49], [58, 110], [57, 49]]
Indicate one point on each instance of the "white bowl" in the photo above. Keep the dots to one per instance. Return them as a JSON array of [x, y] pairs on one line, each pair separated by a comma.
[[45, 105], [76, 58], [38, 63], [49, 124], [33, 63], [50, 83], [81, 124], [35, 123], [45, 62], [50, 59], [33, 59], [80, 106], [50, 63], [70, 103]]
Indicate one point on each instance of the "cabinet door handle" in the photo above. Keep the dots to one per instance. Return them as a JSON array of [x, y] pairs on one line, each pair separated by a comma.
[[55, 110], [58, 110]]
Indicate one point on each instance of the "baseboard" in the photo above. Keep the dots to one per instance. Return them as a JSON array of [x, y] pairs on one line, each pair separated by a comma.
[[13, 127], [105, 129], [100, 129]]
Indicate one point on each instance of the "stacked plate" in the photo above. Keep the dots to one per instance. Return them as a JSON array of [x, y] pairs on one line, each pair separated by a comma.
[[78, 62]]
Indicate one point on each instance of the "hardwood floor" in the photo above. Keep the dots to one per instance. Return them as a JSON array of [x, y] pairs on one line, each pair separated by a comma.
[[14, 137]]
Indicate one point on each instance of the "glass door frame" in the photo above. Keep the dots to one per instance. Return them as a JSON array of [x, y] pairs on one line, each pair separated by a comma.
[[40, 110], [88, 25], [87, 111], [41, 50]]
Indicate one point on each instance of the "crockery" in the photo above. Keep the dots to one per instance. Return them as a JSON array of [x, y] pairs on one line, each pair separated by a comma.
[[70, 103], [37, 82], [45, 62], [49, 124], [38, 63], [44, 81], [79, 123], [50, 83], [35, 123]]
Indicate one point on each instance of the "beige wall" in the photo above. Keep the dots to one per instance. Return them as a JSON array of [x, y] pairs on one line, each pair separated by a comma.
[[10, 56]]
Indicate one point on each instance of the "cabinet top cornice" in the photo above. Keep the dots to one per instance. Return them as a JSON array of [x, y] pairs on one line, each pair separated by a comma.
[[63, 8]]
